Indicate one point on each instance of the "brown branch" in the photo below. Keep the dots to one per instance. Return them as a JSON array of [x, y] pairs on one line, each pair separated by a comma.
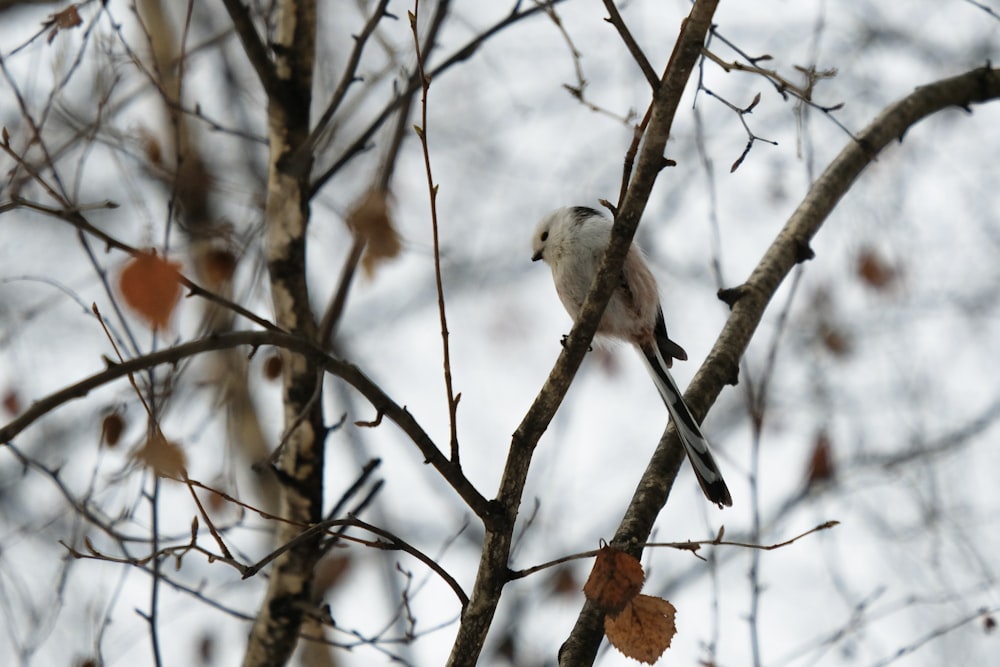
[[361, 142], [691, 545], [347, 78], [432, 189], [331, 317], [344, 370], [615, 19], [254, 47], [382, 180], [578, 90], [394, 543], [493, 567], [750, 300]]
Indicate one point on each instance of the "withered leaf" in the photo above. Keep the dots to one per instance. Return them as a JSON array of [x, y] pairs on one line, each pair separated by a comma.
[[615, 579], [644, 629], [370, 221], [166, 458], [151, 287]]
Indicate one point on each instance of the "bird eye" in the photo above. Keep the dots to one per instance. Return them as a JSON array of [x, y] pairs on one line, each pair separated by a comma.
[[545, 236]]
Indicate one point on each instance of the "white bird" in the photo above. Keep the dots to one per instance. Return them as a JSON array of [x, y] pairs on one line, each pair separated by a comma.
[[572, 242]]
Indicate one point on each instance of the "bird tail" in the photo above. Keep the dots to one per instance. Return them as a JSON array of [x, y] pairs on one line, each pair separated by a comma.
[[695, 444]]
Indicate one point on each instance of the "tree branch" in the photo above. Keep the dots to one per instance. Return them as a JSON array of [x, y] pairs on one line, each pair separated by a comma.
[[360, 143], [254, 47], [493, 567], [346, 371], [749, 301]]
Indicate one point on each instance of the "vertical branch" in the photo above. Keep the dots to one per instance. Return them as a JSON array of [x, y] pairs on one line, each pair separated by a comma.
[[425, 84], [301, 464], [154, 595]]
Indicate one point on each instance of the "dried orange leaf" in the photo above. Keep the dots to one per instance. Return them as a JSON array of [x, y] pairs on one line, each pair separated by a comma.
[[369, 220], [164, 457], [835, 339], [61, 20], [151, 287], [616, 578], [644, 629]]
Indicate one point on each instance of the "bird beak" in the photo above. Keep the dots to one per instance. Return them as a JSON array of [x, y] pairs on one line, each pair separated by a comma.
[[537, 256]]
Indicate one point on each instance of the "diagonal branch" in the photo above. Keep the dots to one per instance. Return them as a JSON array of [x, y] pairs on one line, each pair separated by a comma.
[[348, 77], [493, 567], [348, 372], [254, 47], [749, 300], [615, 19], [361, 142]]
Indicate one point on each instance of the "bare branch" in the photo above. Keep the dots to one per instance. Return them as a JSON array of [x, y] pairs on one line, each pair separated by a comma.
[[493, 568], [753, 296], [615, 19], [361, 143], [344, 370], [254, 47], [425, 84]]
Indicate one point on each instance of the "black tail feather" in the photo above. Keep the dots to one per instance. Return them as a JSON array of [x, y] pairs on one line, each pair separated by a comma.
[[695, 444]]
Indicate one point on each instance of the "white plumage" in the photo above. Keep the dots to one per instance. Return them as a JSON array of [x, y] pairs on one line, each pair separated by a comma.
[[572, 242]]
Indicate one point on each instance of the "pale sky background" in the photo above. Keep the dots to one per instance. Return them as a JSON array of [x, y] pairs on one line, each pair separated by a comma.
[[914, 554]]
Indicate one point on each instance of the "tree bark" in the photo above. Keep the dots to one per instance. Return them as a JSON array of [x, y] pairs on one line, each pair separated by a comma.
[[300, 465]]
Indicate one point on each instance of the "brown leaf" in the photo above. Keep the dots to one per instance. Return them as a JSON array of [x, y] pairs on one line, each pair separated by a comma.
[[328, 572], [644, 629], [875, 271], [111, 429], [207, 648], [616, 578], [61, 20], [821, 467], [164, 457], [370, 221], [272, 367], [66, 18], [12, 402], [151, 287], [564, 581], [150, 145], [835, 339], [219, 267]]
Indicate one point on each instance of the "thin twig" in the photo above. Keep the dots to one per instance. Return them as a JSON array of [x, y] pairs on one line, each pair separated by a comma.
[[579, 89], [362, 142], [615, 19], [254, 47], [331, 317], [691, 545], [347, 78], [439, 283], [75, 218]]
